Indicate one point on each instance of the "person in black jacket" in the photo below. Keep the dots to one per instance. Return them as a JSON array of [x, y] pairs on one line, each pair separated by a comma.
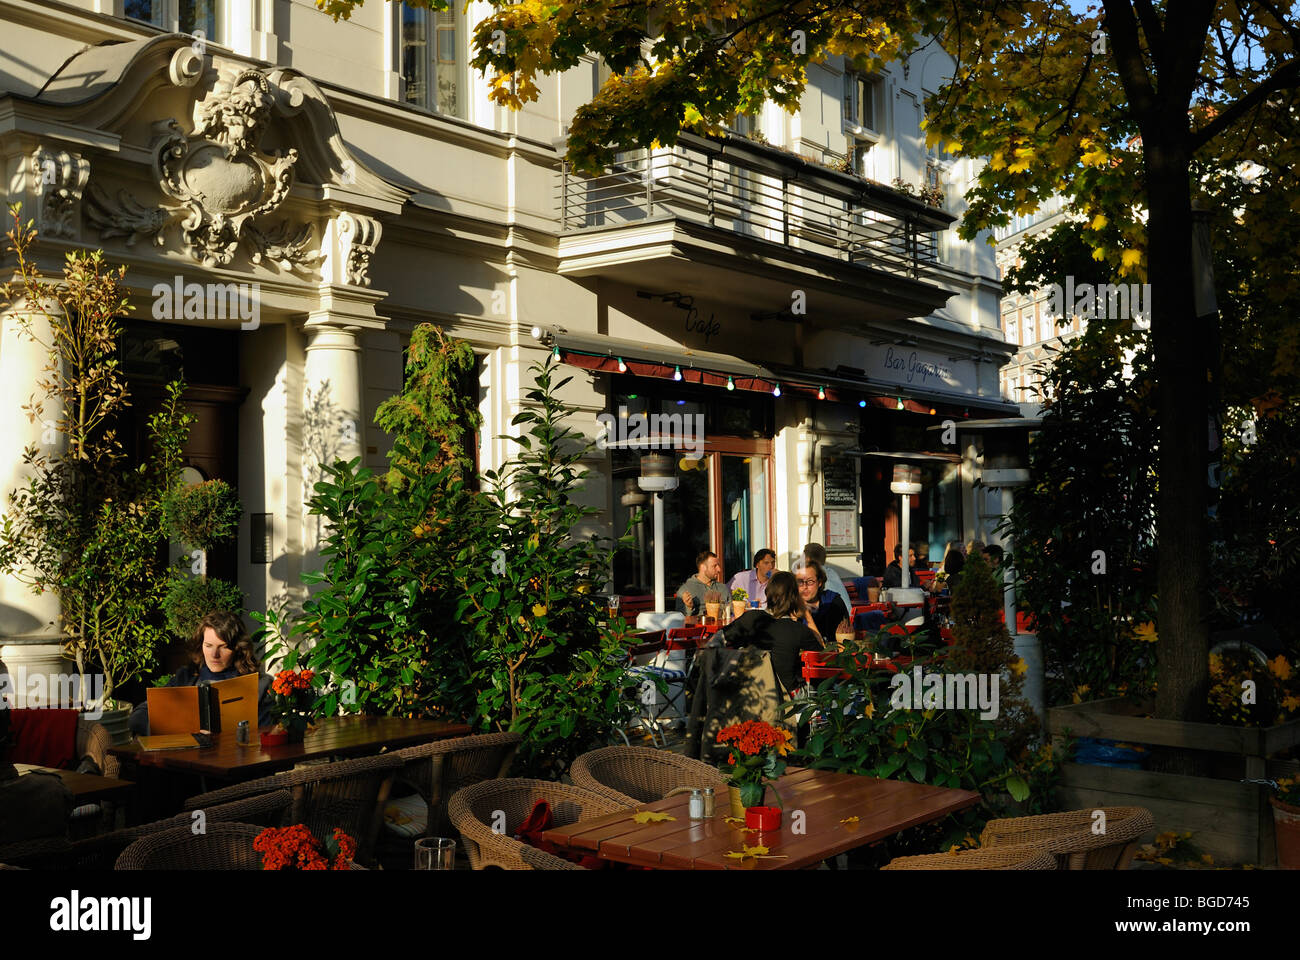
[[219, 650], [826, 609], [785, 633]]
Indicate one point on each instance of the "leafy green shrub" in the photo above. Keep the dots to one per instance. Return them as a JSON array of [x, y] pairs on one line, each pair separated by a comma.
[[202, 515], [855, 729], [189, 599], [1084, 527], [437, 601]]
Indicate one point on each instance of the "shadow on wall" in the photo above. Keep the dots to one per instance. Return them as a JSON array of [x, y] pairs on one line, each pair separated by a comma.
[[16, 622]]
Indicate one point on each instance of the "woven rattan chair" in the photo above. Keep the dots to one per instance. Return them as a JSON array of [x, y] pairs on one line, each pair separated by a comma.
[[437, 770], [992, 858], [473, 811], [1070, 837], [223, 846], [633, 775], [349, 794], [101, 852]]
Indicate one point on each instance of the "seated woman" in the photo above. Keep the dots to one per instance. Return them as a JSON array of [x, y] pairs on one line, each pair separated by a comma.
[[219, 650], [826, 610], [785, 632]]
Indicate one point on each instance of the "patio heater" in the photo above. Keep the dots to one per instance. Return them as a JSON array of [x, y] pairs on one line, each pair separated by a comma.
[[1006, 467], [906, 483], [657, 478], [635, 499]]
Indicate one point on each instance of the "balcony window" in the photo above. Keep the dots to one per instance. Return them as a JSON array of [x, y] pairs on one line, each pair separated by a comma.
[[432, 63], [180, 16], [860, 94]]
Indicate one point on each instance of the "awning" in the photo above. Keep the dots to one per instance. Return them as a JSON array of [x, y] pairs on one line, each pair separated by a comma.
[[676, 362]]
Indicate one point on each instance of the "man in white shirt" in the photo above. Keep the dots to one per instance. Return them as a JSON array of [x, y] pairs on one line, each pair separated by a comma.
[[815, 551]]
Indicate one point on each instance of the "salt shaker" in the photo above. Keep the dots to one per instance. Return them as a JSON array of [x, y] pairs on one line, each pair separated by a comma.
[[697, 805], [241, 732], [708, 803]]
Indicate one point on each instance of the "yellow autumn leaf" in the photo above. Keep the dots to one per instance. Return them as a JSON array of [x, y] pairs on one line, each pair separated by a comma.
[[869, 710], [651, 816], [1279, 667], [1098, 222], [539, 609], [1130, 260], [1093, 156], [1018, 666], [1099, 253], [850, 820], [998, 161], [1147, 632], [737, 821]]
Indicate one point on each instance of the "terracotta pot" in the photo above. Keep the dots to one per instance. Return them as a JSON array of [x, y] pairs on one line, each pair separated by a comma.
[[274, 739], [1286, 829], [711, 610], [763, 818], [873, 594], [739, 607]]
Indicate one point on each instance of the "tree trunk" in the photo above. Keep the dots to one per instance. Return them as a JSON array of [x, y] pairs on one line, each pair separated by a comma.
[[1181, 361]]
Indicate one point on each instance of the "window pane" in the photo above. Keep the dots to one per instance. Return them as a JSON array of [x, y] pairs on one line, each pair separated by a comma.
[[199, 15], [150, 11], [448, 71], [415, 56]]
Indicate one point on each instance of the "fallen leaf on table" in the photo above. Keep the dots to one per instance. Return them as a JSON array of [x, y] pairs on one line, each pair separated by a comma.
[[757, 853], [735, 820], [650, 816], [850, 820]]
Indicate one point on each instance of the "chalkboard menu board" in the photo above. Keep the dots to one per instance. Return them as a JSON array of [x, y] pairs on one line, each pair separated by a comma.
[[839, 482]]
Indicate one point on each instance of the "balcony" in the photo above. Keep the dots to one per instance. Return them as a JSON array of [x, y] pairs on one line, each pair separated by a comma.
[[749, 223]]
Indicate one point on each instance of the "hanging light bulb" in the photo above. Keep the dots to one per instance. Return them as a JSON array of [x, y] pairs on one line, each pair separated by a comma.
[[731, 384], [776, 390], [900, 404], [677, 373], [821, 393], [932, 411], [862, 403], [622, 367], [556, 351]]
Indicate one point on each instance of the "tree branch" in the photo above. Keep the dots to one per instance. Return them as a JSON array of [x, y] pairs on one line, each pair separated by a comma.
[[1285, 77]]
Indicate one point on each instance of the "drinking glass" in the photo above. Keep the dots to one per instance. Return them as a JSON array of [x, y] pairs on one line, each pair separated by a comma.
[[435, 853], [612, 602]]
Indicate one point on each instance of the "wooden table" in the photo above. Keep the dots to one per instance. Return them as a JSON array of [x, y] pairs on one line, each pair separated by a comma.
[[883, 808], [85, 787], [335, 736]]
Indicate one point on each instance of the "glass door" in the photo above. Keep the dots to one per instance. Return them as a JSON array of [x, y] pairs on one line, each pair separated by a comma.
[[743, 509]]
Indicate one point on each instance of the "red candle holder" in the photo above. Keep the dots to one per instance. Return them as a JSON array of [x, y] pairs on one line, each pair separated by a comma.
[[763, 818], [274, 739]]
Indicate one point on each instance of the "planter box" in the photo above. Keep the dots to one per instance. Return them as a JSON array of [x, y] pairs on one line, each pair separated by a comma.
[[1230, 820]]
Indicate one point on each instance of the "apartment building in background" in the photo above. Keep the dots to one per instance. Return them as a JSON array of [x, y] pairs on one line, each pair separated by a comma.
[[354, 180]]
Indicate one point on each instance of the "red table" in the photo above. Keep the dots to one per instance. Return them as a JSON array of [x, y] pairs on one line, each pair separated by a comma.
[[825, 800]]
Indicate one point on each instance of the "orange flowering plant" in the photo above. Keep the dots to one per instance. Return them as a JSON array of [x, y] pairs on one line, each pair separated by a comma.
[[294, 848], [293, 699], [757, 756]]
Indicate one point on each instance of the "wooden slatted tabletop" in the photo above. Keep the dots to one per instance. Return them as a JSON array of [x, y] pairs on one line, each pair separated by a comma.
[[335, 736], [85, 787], [883, 808]]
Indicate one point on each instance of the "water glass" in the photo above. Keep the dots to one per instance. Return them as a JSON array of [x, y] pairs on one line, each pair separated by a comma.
[[611, 603], [435, 853]]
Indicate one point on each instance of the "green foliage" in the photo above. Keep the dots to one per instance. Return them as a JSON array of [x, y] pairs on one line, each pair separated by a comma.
[[189, 599], [202, 515], [436, 408], [86, 525], [856, 730], [1091, 503], [437, 601]]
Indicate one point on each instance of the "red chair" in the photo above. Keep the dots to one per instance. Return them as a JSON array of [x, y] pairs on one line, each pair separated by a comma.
[[684, 638], [630, 606]]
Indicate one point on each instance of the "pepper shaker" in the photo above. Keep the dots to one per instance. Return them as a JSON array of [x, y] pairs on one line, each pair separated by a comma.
[[241, 732], [708, 803]]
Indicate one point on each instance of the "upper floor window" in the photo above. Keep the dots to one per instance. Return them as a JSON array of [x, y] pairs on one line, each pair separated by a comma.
[[860, 107], [431, 60], [180, 16]]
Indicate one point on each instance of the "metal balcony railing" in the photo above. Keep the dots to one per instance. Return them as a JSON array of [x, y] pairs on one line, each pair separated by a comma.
[[757, 192]]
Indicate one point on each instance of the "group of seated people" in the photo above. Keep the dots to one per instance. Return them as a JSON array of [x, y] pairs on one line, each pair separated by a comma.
[[954, 560], [692, 594]]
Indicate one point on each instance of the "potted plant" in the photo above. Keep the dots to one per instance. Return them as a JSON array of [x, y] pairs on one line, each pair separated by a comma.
[[295, 848], [87, 525], [757, 756], [739, 601], [1286, 822], [873, 590], [712, 604], [293, 705]]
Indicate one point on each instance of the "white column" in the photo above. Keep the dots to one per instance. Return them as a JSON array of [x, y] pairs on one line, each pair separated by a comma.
[[332, 427], [29, 624]]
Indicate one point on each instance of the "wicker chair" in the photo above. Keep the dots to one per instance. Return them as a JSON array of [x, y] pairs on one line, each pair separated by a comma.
[[223, 846], [349, 794], [101, 852], [633, 775], [1069, 836], [472, 810], [994, 858], [437, 770]]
